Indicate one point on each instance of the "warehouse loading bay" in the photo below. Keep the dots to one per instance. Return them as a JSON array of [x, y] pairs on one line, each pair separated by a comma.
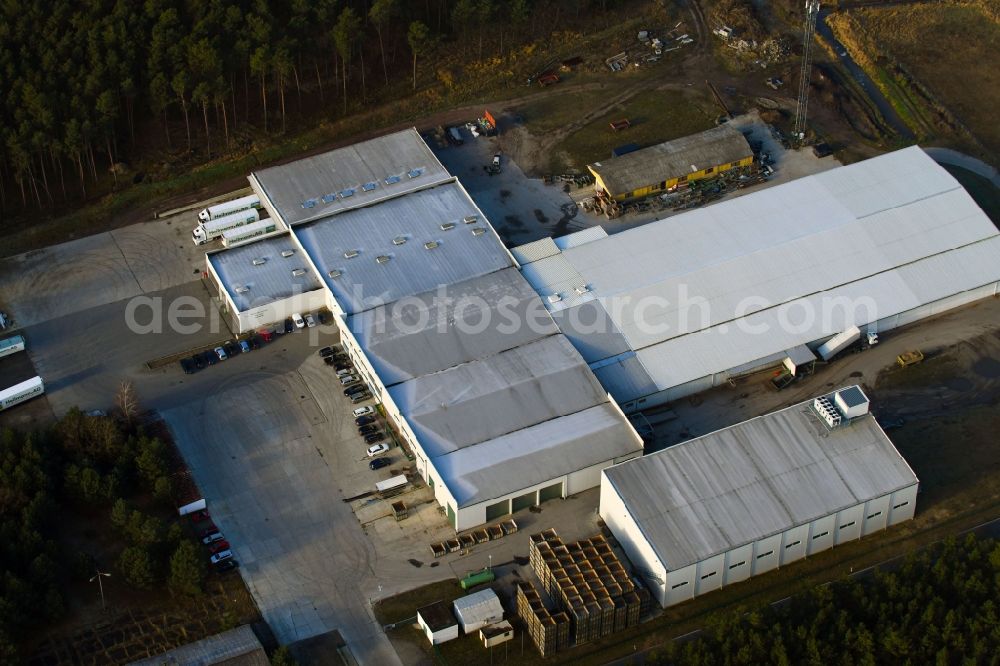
[[524, 209]]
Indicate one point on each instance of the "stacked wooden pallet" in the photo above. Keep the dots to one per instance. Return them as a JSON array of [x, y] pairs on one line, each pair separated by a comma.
[[549, 631]]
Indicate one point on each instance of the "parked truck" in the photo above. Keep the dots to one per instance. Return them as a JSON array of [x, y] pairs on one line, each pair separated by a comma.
[[18, 393], [212, 229], [229, 207], [12, 345], [839, 343], [247, 233]]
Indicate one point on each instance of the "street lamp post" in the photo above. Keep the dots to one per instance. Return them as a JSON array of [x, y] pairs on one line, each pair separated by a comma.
[[100, 585]]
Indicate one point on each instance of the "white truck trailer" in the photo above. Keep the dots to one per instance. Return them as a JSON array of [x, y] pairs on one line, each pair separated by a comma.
[[208, 231], [18, 393], [229, 207], [247, 233], [838, 343], [12, 345]]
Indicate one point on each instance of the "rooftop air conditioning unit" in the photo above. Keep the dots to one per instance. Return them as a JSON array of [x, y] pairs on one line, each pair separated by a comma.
[[851, 402], [350, 254], [391, 180], [447, 226], [469, 219], [349, 192], [287, 253], [298, 272], [827, 411], [383, 258], [309, 203], [555, 298], [430, 245], [242, 290], [413, 173], [368, 187], [399, 240], [329, 198], [259, 261], [582, 289], [478, 231], [335, 273]]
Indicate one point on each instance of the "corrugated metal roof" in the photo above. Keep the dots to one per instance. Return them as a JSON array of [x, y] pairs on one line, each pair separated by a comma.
[[867, 226], [754, 479], [236, 647], [487, 398], [264, 281], [535, 250], [443, 328], [534, 455], [633, 171], [481, 606], [587, 235], [555, 275], [624, 377], [412, 268], [591, 330], [316, 186]]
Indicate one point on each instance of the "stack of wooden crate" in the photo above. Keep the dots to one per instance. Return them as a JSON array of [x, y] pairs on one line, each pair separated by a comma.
[[549, 631]]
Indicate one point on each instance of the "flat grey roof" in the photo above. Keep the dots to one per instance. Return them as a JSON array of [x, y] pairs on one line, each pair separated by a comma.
[[737, 485], [268, 281], [440, 329], [297, 189], [461, 253], [478, 401], [625, 174], [543, 452], [236, 647]]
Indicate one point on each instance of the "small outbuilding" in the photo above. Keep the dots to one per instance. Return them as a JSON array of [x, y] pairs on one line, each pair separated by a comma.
[[495, 634], [478, 610], [438, 622]]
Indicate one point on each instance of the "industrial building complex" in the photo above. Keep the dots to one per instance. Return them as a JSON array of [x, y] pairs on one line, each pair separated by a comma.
[[678, 306], [735, 503], [664, 166], [499, 417]]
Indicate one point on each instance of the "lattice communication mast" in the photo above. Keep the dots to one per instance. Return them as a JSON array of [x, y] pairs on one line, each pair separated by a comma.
[[812, 11]]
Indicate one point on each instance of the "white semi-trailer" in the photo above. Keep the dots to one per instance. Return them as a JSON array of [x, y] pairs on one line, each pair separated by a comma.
[[18, 393], [208, 231], [229, 207], [247, 233], [12, 345], [838, 343]]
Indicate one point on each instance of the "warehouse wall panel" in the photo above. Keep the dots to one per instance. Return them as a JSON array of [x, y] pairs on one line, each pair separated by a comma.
[[876, 515], [793, 544], [849, 523], [821, 534]]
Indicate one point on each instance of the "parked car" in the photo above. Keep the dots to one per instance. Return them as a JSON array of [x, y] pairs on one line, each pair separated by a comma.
[[364, 420], [343, 365], [232, 348], [188, 366], [212, 538], [360, 397], [344, 373], [222, 555], [297, 319], [346, 380], [210, 357], [374, 437], [227, 565], [221, 353], [289, 325], [377, 449], [265, 334], [208, 530], [310, 322], [245, 346], [357, 388], [379, 463], [329, 360], [201, 516], [218, 547], [256, 341], [367, 429], [364, 411], [199, 362], [327, 351], [322, 316]]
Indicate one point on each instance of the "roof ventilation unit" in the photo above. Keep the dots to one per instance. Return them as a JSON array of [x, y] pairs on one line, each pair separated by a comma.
[[287, 253], [430, 245], [413, 173], [349, 192], [368, 187], [399, 240], [392, 180], [827, 411], [555, 298], [350, 254], [470, 219], [447, 226], [582, 289], [298, 272], [329, 198], [335, 273], [478, 231], [259, 261], [242, 290], [309, 203], [383, 258], [851, 401]]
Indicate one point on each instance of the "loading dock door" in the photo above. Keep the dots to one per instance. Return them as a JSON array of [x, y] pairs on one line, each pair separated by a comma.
[[523, 502], [550, 492], [495, 511]]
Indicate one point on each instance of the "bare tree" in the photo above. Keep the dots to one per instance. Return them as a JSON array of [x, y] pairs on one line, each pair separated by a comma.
[[127, 401]]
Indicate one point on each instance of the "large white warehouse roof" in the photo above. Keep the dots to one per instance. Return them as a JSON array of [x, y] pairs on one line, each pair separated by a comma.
[[738, 485], [895, 232]]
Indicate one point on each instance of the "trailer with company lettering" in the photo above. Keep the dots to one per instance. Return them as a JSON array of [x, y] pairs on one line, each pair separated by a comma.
[[18, 393]]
